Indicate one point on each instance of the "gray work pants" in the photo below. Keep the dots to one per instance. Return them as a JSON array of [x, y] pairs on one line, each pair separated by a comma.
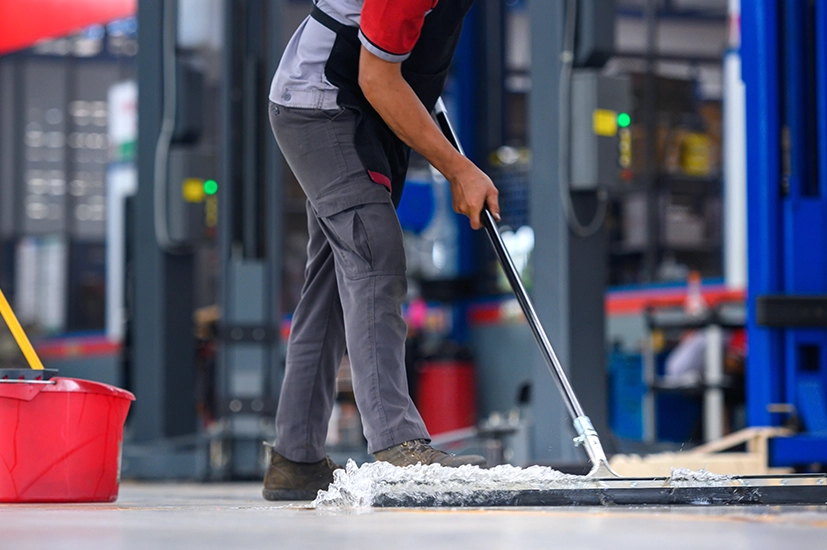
[[352, 296]]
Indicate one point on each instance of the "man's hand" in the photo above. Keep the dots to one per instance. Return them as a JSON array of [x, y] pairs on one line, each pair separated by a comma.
[[471, 189], [392, 97]]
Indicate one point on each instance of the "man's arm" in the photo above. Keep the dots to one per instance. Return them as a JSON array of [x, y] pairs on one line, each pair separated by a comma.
[[392, 97]]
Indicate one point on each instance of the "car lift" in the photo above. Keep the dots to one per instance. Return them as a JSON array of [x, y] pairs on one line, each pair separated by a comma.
[[784, 53]]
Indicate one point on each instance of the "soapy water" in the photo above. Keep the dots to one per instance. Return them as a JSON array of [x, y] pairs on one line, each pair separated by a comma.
[[434, 485], [684, 477]]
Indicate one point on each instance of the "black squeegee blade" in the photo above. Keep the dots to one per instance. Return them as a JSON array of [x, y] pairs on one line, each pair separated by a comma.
[[673, 496]]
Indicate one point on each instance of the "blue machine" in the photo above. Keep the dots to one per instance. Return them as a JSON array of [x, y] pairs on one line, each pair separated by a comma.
[[784, 52]]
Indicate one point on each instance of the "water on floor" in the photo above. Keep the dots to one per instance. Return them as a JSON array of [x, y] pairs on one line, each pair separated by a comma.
[[160, 515]]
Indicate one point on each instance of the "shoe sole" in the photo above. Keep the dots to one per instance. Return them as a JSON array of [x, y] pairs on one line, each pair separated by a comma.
[[483, 464], [288, 494]]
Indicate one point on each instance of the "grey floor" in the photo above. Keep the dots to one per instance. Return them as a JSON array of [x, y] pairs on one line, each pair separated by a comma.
[[235, 516]]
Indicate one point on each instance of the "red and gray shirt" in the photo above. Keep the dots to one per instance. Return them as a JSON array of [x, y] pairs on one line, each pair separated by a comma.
[[388, 29]]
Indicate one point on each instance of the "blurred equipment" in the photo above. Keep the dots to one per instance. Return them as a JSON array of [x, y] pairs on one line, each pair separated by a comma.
[[595, 42], [600, 151]]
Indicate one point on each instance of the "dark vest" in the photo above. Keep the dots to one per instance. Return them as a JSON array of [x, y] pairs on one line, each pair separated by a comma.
[[380, 151]]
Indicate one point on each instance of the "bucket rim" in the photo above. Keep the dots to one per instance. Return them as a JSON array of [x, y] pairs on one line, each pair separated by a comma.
[[78, 385]]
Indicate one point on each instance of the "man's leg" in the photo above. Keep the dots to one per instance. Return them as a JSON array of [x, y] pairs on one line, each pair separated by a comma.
[[370, 270], [298, 465], [314, 352], [356, 216], [359, 221]]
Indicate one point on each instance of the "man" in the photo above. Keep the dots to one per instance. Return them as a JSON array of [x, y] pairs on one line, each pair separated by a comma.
[[351, 96]]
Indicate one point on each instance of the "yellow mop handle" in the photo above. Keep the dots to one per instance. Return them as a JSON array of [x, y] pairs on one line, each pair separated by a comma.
[[19, 335]]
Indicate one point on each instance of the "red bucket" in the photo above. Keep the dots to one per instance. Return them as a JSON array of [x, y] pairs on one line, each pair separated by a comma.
[[446, 396], [60, 440]]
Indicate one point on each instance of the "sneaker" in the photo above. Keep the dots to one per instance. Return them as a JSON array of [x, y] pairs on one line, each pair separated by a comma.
[[288, 480], [417, 451]]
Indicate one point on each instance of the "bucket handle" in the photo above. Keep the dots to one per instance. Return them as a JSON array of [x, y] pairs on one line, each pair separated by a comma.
[[19, 334]]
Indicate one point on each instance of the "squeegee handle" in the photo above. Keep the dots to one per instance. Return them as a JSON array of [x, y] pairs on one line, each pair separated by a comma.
[[491, 228], [19, 334], [511, 273]]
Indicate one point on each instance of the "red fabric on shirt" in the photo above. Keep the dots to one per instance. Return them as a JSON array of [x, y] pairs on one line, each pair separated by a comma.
[[394, 25]]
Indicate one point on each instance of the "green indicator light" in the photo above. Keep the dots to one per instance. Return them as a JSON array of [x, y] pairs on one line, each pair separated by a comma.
[[210, 187], [624, 120]]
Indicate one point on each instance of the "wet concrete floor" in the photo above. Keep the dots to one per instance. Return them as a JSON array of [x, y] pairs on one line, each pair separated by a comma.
[[161, 515]]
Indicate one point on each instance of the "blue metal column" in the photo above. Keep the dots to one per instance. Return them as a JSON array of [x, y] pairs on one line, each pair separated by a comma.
[[784, 70], [805, 233], [760, 73], [821, 94]]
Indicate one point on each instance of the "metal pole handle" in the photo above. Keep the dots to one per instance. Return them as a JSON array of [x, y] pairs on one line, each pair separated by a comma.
[[586, 434]]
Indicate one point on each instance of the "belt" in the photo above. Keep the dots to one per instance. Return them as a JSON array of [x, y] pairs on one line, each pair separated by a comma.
[[326, 20]]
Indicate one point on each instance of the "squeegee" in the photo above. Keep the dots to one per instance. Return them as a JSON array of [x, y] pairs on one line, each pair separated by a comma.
[[602, 486]]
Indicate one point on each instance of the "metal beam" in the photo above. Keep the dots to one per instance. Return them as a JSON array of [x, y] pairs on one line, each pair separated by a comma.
[[162, 342], [250, 228], [569, 272]]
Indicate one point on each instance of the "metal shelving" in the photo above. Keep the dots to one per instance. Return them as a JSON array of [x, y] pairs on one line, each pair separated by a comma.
[[675, 214]]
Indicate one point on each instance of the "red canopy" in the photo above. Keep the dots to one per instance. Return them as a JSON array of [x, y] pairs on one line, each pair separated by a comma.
[[24, 22]]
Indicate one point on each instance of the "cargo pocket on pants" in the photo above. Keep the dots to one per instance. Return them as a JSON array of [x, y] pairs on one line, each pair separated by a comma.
[[367, 240]]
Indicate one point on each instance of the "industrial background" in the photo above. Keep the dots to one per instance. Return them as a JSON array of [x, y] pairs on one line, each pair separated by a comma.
[[664, 196]]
